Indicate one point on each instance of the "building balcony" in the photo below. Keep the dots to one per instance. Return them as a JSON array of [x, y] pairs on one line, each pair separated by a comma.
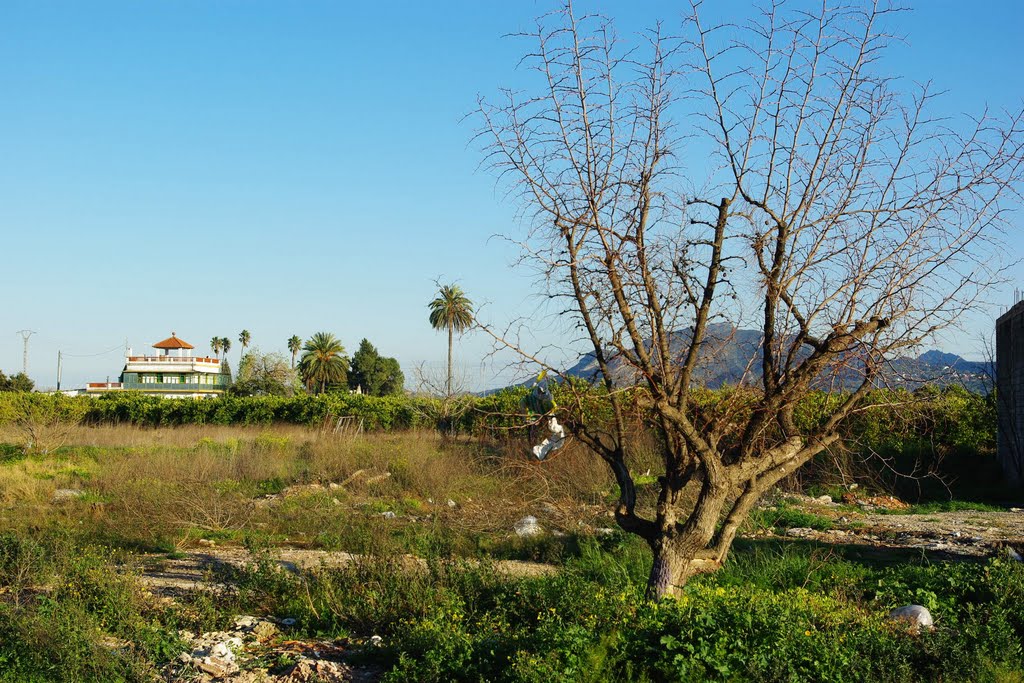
[[149, 364], [171, 387], [172, 359]]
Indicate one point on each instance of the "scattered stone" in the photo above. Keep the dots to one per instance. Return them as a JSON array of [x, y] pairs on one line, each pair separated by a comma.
[[225, 650], [603, 531], [229, 656], [318, 670], [264, 630], [875, 502], [388, 514], [826, 499], [376, 641], [1013, 554], [800, 532], [527, 526], [916, 616], [246, 622], [206, 543], [61, 495], [451, 503], [213, 666]]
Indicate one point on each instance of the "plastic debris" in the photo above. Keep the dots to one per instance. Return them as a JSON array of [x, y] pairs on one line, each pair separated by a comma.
[[916, 616]]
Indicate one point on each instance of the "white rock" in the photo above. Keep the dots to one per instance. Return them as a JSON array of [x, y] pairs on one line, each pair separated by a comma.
[[67, 494], [527, 526], [799, 532], [917, 616], [388, 514], [826, 499], [376, 641], [451, 503], [245, 621], [1013, 554]]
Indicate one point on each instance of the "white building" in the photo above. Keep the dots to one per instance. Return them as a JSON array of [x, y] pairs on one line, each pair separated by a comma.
[[174, 373]]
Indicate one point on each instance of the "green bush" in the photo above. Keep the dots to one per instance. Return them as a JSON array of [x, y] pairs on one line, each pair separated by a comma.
[[58, 633]]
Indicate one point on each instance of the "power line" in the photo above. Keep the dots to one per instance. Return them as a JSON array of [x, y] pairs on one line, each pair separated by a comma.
[[93, 355]]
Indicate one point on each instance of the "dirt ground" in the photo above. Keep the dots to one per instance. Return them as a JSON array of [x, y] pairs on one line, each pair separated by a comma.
[[943, 535]]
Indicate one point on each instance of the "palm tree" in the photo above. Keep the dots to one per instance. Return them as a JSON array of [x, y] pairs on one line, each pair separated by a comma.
[[243, 338], [323, 362], [225, 345], [451, 310], [294, 345], [215, 346]]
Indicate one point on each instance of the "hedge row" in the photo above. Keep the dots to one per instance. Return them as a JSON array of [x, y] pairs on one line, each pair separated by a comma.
[[377, 413], [894, 420]]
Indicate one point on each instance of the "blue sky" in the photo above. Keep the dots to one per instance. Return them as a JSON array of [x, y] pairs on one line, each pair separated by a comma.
[[207, 166]]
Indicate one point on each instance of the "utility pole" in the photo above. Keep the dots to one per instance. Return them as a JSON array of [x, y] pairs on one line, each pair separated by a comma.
[[59, 359], [25, 334]]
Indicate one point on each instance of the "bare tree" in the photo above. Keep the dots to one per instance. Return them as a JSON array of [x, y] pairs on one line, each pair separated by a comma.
[[833, 213]]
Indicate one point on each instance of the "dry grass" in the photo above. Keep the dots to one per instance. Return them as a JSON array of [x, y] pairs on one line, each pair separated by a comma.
[[171, 485]]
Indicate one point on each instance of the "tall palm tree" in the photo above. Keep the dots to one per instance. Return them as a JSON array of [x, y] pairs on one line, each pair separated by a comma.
[[225, 345], [451, 310], [215, 346], [323, 362], [243, 338], [294, 345]]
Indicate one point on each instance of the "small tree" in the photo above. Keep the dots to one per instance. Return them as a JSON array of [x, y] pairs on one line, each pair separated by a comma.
[[17, 382], [264, 374], [835, 213], [323, 362], [374, 374], [453, 311]]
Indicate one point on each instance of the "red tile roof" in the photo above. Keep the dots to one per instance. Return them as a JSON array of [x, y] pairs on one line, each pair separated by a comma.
[[173, 342]]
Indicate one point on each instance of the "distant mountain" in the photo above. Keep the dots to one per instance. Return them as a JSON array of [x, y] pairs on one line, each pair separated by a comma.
[[731, 354]]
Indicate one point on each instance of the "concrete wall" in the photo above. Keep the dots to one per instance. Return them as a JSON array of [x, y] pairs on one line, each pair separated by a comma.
[[1010, 392]]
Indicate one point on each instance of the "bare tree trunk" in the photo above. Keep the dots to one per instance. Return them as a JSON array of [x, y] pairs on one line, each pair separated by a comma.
[[448, 385], [674, 564]]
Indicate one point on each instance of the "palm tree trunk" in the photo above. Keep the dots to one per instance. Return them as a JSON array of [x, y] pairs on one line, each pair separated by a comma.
[[449, 360]]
